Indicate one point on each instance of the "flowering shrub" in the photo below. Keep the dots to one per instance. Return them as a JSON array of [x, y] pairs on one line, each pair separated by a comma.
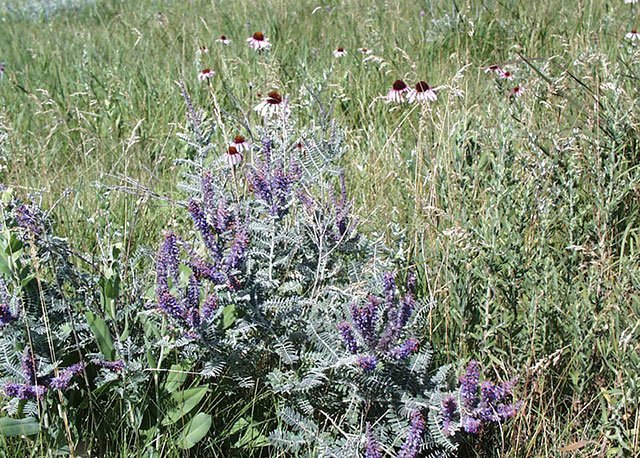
[[271, 291]]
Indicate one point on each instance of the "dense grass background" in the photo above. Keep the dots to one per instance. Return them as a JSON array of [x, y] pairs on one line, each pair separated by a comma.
[[521, 215]]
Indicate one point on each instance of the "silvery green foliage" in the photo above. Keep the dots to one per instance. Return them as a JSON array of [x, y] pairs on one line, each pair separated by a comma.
[[42, 332], [47, 343], [273, 316]]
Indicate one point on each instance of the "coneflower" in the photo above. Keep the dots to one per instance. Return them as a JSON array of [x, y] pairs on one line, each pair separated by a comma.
[[233, 157], [493, 69], [397, 92], [240, 143], [205, 74], [505, 75], [633, 35], [258, 41], [364, 51], [272, 104], [422, 93], [516, 92], [339, 52], [224, 40]]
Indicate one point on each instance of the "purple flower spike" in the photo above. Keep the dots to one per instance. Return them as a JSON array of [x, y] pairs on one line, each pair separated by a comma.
[[6, 316], [274, 184], [471, 425], [407, 305], [209, 307], [62, 381], [412, 443], [266, 148], [206, 231], [29, 367], [238, 251], [348, 338], [482, 403], [223, 220], [405, 349], [365, 319], [448, 411], [30, 218], [469, 385], [389, 286], [167, 262], [193, 293], [24, 391], [170, 305], [372, 448], [367, 363]]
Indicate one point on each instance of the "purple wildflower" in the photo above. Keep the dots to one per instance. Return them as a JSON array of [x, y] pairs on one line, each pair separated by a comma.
[[266, 148], [29, 367], [448, 411], [215, 207], [167, 262], [6, 316], [372, 448], [412, 443], [407, 305], [193, 293], [274, 184], [469, 385], [388, 286], [509, 410], [29, 217], [238, 250], [365, 319], [340, 208], [62, 381], [208, 235], [192, 302], [209, 307], [204, 270], [367, 363], [347, 336], [471, 425], [405, 349], [170, 305], [223, 220], [24, 391], [398, 312], [484, 403]]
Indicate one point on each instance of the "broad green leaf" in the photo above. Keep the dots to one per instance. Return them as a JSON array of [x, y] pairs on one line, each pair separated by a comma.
[[229, 316], [19, 427], [112, 287], [4, 267], [195, 430], [252, 437], [175, 378], [186, 401], [103, 336]]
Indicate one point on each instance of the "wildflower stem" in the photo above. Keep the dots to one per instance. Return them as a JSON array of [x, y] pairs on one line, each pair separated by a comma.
[[235, 183]]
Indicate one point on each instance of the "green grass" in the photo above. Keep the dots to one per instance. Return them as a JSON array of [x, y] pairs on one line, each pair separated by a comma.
[[523, 217]]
